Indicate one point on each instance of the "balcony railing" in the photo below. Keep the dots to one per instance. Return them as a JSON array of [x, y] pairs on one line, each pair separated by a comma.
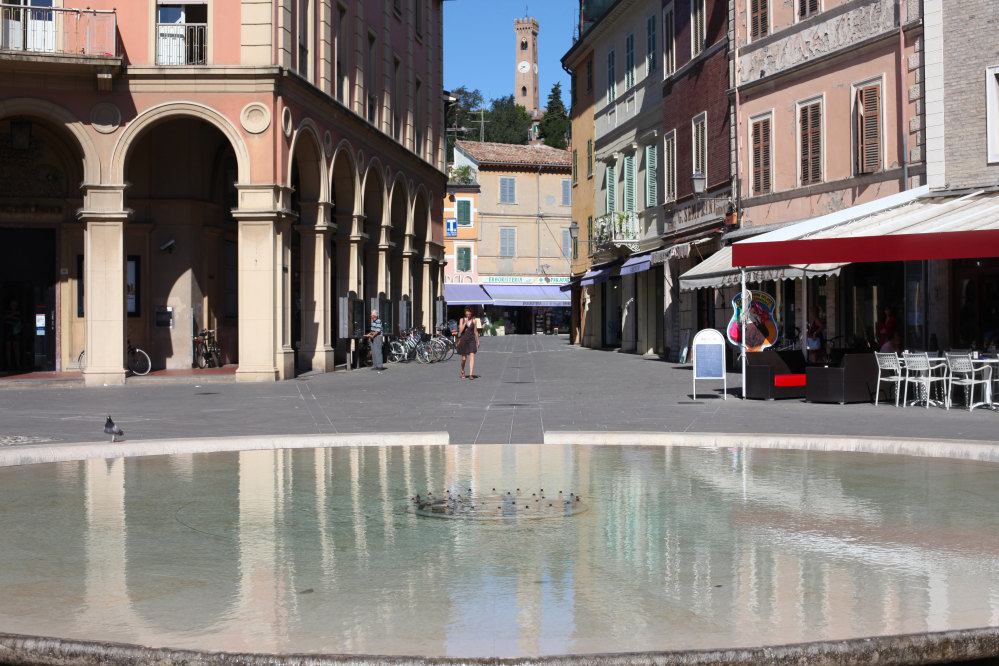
[[617, 226], [181, 43], [89, 32]]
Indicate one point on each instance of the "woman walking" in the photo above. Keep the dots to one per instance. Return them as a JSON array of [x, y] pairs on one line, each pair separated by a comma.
[[468, 342]]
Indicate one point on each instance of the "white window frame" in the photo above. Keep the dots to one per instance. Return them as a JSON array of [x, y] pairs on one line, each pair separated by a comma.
[[694, 122], [755, 118], [564, 191], [499, 197], [499, 252], [693, 42], [471, 258], [471, 212], [878, 80], [667, 169], [770, 28], [797, 16], [992, 114], [808, 101], [668, 40]]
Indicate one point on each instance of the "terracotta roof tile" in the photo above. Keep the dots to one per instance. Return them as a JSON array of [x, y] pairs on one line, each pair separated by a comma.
[[507, 153]]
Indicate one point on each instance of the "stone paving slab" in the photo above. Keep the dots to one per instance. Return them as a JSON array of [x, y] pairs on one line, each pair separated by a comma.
[[525, 386]]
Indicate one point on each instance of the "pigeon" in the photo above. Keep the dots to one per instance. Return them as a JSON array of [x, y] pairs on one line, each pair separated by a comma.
[[111, 429]]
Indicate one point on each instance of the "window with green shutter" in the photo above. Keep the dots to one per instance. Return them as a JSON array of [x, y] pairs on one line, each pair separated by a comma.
[[629, 61], [651, 175], [611, 77], [629, 182], [464, 213], [589, 235], [610, 173], [650, 44], [589, 157], [464, 259]]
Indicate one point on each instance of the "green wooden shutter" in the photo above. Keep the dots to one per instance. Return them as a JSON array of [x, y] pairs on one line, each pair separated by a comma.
[[610, 76], [651, 175], [464, 212], [629, 182], [611, 176], [464, 259]]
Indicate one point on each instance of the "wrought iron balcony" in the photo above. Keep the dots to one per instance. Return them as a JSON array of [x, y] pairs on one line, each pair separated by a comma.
[[617, 227], [58, 31], [181, 43]]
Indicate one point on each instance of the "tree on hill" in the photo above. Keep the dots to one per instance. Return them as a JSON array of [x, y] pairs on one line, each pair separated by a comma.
[[508, 121], [463, 113], [554, 127]]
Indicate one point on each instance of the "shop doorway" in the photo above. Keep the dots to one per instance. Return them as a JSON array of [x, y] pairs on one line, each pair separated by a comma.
[[612, 311], [27, 289]]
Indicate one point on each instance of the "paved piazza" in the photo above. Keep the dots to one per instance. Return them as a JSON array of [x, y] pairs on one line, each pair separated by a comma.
[[526, 385]]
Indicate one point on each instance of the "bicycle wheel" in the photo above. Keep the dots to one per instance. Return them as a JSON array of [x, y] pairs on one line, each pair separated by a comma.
[[81, 361], [423, 354], [396, 352], [138, 362], [441, 350], [368, 360], [214, 359], [200, 357]]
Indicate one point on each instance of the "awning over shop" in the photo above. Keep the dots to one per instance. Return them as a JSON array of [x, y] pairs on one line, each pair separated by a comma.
[[542, 296], [637, 263], [466, 294], [601, 273], [717, 271], [908, 226], [570, 284]]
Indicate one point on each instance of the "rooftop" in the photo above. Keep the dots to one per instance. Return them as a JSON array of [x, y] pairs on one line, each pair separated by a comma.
[[508, 153]]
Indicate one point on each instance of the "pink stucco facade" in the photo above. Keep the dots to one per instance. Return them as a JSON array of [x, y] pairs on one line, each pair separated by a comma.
[[293, 150]]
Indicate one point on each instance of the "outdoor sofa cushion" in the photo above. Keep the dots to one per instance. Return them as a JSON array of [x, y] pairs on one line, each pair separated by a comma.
[[789, 380]]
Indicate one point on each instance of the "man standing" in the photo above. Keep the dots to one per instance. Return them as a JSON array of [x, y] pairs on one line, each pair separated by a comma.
[[376, 340]]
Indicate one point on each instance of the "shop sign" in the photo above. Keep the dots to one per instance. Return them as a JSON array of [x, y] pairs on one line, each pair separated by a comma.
[[761, 331], [452, 227], [735, 279], [40, 324], [522, 279]]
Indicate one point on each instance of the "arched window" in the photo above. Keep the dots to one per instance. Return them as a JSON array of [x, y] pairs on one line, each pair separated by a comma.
[[523, 45], [523, 91]]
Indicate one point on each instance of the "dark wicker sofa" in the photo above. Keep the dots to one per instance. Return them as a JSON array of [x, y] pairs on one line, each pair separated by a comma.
[[775, 374]]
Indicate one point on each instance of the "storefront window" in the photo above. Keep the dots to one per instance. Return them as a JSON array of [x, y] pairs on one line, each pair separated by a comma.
[[976, 304], [870, 288], [915, 306]]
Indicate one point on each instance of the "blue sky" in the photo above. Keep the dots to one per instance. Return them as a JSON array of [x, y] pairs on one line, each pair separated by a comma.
[[479, 44]]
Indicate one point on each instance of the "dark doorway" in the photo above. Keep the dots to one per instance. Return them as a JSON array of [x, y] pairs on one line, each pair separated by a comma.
[[27, 289], [976, 304], [612, 311]]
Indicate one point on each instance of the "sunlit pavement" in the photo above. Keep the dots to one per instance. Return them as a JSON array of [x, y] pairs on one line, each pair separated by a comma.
[[524, 386]]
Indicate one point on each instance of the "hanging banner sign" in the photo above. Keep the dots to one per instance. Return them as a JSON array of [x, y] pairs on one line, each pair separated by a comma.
[[761, 331]]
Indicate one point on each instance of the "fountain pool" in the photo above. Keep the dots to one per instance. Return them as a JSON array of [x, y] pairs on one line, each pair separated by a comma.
[[319, 550]]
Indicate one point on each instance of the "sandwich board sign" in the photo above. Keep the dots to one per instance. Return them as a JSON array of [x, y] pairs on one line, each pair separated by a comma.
[[709, 358]]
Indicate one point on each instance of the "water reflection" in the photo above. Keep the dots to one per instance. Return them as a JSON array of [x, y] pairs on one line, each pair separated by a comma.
[[314, 550]]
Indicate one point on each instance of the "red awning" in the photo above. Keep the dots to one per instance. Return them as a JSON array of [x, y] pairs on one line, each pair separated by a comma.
[[908, 226]]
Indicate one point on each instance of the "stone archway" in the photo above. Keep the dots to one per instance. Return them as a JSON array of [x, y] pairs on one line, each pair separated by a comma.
[[374, 207]]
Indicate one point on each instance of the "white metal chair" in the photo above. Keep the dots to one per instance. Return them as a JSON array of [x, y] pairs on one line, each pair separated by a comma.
[[919, 371], [964, 373], [888, 363]]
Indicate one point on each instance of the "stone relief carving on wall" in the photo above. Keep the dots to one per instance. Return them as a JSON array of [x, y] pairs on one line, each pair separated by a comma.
[[814, 39]]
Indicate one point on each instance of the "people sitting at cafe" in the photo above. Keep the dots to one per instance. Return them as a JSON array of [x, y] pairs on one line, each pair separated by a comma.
[[893, 345]]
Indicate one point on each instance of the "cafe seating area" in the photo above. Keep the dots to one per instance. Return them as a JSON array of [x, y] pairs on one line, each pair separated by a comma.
[[937, 379]]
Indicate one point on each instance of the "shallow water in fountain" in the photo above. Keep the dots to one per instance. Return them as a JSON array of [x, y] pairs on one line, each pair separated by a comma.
[[318, 550]]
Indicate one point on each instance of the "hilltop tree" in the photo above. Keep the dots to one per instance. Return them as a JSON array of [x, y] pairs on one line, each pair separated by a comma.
[[463, 113], [554, 127], [508, 121]]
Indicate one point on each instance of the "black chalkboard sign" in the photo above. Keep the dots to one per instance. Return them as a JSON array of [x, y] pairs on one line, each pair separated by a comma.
[[710, 361]]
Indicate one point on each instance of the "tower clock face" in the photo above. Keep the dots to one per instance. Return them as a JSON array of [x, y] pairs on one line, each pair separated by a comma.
[[524, 67]]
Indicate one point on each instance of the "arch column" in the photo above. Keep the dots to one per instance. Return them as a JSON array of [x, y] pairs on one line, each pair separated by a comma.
[[316, 351], [264, 242], [104, 218]]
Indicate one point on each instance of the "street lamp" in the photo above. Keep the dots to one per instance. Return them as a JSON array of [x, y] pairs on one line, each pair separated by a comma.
[[574, 230], [698, 181]]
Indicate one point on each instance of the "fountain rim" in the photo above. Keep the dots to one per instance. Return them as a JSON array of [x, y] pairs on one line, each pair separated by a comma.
[[893, 650], [47, 452]]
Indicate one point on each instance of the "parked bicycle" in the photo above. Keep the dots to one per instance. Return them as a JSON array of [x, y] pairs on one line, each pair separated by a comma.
[[206, 349], [136, 359]]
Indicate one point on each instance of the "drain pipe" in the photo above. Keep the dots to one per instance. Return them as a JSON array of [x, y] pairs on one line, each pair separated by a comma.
[[538, 220], [903, 106]]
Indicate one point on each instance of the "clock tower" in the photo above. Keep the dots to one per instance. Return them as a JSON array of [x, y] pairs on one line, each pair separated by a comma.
[[526, 89]]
